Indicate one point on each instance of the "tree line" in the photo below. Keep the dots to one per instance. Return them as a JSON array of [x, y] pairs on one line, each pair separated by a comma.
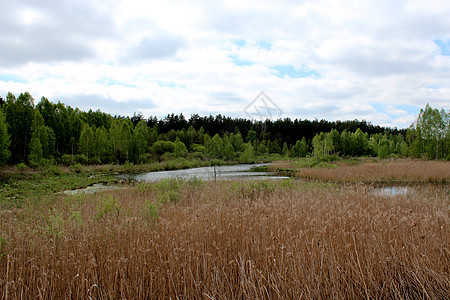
[[50, 133]]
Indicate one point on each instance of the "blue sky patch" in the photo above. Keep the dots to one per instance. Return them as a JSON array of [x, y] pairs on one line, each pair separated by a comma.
[[239, 62], [169, 84], [384, 109], [239, 42], [290, 71], [444, 46], [264, 44], [9, 77], [111, 82]]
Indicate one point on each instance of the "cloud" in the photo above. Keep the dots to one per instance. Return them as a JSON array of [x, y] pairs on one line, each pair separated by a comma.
[[375, 60], [162, 45], [108, 104], [50, 31]]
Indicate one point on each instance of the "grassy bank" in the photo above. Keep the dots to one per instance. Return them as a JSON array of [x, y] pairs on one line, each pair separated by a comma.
[[228, 240], [22, 184]]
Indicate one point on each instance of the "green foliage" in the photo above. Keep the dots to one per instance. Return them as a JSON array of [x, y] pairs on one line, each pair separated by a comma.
[[87, 141], [21, 166], [19, 116], [433, 128], [216, 147], [179, 148], [248, 155], [253, 190], [300, 149], [55, 225], [53, 170], [40, 134], [36, 153], [107, 207], [2, 246], [161, 147], [5, 141], [150, 210], [321, 162], [76, 168], [102, 145]]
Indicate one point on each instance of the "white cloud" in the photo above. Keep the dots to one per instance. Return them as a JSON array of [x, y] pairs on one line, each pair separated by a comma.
[[369, 58]]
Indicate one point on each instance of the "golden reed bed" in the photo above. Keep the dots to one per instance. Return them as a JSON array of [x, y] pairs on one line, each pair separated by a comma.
[[229, 240]]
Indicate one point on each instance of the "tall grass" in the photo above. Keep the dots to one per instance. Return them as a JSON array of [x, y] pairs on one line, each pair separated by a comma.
[[229, 240], [401, 170]]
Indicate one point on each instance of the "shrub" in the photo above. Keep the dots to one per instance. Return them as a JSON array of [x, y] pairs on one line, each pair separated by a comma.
[[21, 166]]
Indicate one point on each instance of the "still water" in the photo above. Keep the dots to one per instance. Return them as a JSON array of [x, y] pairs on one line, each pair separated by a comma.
[[390, 191], [234, 172]]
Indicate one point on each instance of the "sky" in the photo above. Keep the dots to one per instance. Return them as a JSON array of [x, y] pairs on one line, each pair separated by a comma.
[[379, 61]]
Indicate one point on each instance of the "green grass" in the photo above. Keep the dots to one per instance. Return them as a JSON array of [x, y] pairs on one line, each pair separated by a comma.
[[15, 191]]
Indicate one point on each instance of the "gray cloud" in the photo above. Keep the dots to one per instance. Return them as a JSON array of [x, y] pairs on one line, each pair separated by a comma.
[[50, 31], [159, 46], [94, 102]]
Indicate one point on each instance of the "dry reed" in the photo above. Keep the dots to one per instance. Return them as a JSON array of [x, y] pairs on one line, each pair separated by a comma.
[[388, 171], [229, 240]]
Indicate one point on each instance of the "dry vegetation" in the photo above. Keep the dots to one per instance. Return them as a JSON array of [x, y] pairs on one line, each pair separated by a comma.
[[229, 240], [399, 170]]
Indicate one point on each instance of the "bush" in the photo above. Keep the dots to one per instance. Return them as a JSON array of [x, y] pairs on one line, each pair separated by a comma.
[[21, 166], [167, 156], [53, 170], [80, 159], [66, 160], [77, 168]]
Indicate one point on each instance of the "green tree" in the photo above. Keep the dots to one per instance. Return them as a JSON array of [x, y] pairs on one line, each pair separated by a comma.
[[87, 141], [5, 141], [285, 150], [383, 147], [125, 142], [141, 137], [237, 142], [248, 155], [161, 147], [42, 140], [251, 136], [114, 135], [191, 136], [228, 151], [36, 154], [300, 149], [179, 148], [433, 127], [102, 145], [19, 116], [346, 142], [216, 147], [318, 144], [360, 143]]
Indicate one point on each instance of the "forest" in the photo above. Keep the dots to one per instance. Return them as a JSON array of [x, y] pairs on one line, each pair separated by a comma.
[[50, 133]]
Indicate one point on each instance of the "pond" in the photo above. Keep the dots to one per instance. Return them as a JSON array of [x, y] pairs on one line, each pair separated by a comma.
[[98, 187], [242, 171], [390, 191]]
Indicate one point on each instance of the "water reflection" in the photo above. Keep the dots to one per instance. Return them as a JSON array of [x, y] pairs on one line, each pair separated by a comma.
[[390, 191], [233, 172], [98, 187]]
